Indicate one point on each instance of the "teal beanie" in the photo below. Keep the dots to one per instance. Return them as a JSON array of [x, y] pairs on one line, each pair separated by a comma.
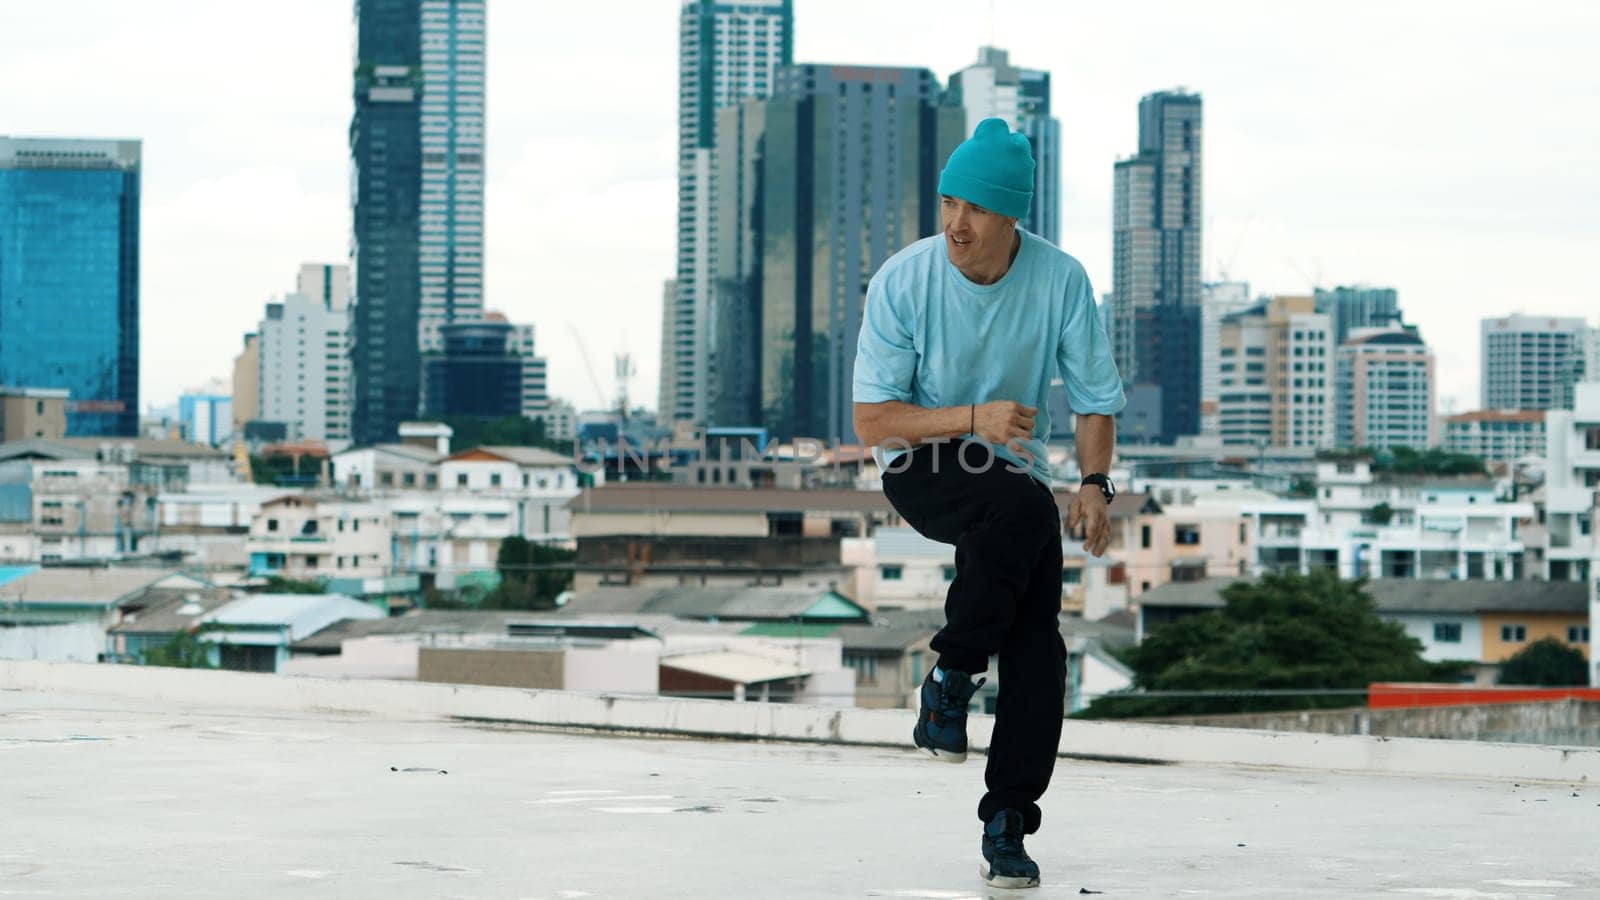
[[992, 169]]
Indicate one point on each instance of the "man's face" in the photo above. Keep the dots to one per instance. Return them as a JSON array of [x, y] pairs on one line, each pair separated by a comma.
[[974, 235]]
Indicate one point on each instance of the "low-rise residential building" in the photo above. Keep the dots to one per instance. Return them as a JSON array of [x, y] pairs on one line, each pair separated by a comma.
[[383, 468], [54, 510], [63, 614], [314, 536], [1572, 501], [1370, 525], [255, 633], [209, 525], [1496, 435]]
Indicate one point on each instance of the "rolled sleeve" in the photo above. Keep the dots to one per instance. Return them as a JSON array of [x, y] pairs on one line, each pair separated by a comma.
[[1083, 356], [886, 355]]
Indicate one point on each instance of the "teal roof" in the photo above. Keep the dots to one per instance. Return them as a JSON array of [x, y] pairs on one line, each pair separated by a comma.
[[9, 574]]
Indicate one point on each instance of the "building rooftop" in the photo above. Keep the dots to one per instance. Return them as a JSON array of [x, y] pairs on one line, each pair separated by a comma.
[[1498, 415], [175, 797], [89, 585], [731, 603]]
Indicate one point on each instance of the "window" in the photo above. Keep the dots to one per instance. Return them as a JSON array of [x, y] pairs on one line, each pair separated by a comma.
[[1577, 634], [891, 573], [386, 479], [1447, 632], [431, 480], [494, 479], [409, 479], [355, 524], [1117, 574], [272, 524], [1071, 576], [461, 480], [1186, 535], [1513, 634], [1144, 536], [949, 573]]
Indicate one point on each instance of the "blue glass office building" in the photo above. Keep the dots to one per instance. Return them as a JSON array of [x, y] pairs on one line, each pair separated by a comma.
[[69, 277]]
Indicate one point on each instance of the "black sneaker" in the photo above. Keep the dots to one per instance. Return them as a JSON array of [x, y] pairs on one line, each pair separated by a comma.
[[1005, 863], [942, 721]]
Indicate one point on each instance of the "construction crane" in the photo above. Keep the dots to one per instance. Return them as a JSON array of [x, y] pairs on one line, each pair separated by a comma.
[[599, 392]]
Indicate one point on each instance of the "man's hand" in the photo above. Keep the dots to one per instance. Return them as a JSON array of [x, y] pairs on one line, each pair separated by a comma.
[[1088, 508], [999, 421]]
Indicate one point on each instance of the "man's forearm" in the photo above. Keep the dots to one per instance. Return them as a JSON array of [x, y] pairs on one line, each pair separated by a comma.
[[1095, 437], [893, 421]]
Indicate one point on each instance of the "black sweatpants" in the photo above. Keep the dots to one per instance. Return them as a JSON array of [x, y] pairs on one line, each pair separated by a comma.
[[1004, 601]]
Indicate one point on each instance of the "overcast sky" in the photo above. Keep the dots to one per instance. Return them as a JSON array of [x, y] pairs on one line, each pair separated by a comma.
[[1448, 149]]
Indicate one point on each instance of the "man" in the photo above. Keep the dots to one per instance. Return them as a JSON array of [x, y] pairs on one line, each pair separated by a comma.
[[962, 334]]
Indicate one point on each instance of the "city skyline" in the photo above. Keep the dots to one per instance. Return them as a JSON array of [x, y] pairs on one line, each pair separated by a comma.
[[1315, 176]]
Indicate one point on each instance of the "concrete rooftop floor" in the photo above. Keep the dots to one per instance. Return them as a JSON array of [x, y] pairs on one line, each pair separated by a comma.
[[113, 798]]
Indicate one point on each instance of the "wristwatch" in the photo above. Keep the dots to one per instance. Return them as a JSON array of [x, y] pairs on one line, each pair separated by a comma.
[[1107, 489]]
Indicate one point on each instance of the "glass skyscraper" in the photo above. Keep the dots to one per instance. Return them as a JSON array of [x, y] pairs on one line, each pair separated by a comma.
[[416, 147], [728, 51], [69, 277], [817, 187], [1155, 278]]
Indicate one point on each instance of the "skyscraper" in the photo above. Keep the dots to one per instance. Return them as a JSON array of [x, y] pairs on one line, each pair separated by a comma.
[[69, 277], [1217, 301], [817, 187], [1275, 375], [1526, 358], [992, 87], [1385, 389], [1155, 284], [303, 356], [1358, 306], [416, 146], [727, 52]]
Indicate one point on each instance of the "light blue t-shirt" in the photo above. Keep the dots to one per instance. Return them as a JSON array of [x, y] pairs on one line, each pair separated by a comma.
[[932, 338]]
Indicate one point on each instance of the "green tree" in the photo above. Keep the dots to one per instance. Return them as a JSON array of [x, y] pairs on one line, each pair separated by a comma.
[[531, 575], [184, 651], [507, 431], [1547, 662], [1285, 632], [1380, 514]]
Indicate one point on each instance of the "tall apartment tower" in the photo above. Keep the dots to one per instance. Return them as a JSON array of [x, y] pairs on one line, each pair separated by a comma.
[[416, 147], [69, 277], [1155, 283], [1276, 376], [303, 354], [1385, 389], [727, 52], [1525, 357], [817, 187], [993, 87]]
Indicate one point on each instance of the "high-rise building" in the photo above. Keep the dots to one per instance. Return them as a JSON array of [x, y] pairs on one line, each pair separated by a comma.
[[416, 147], [206, 415], [69, 277], [535, 396], [817, 187], [476, 374], [1582, 366], [1217, 301], [669, 291], [1275, 375], [304, 358], [1524, 357], [727, 52], [993, 87], [1359, 306], [1385, 389], [1155, 282]]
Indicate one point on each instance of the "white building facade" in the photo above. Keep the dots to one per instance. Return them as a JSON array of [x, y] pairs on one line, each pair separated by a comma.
[[304, 358]]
